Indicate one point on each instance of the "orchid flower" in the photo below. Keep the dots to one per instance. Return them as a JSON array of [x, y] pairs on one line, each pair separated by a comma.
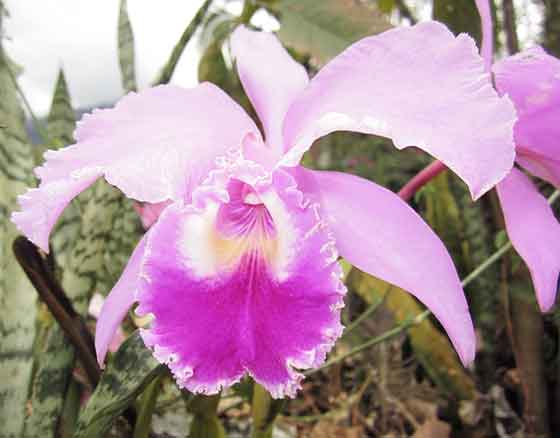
[[240, 270], [532, 80]]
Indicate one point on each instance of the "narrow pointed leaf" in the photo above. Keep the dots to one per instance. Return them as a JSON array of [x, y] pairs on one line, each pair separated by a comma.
[[205, 423], [61, 121], [54, 354], [126, 50], [167, 71], [17, 296], [127, 374]]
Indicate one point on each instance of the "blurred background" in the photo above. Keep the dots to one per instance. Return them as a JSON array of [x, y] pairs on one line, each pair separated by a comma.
[[71, 56]]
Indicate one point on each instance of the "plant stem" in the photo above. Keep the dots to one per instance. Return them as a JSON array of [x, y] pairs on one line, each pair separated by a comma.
[[264, 410], [40, 275], [205, 422], [165, 75], [484, 265], [421, 179], [366, 314], [147, 404], [378, 339], [512, 41]]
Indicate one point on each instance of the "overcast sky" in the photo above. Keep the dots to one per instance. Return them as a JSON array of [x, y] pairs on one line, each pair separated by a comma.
[[81, 36]]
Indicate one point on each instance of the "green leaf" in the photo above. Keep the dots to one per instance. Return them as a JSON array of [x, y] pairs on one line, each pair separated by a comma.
[[431, 347], [205, 423], [324, 29], [17, 296], [386, 6], [146, 406], [109, 231], [265, 410], [128, 372], [54, 355], [61, 121], [459, 15], [53, 363], [126, 49], [167, 71]]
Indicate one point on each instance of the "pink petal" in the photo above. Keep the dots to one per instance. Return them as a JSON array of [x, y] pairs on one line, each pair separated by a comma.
[[380, 234], [41, 207], [117, 303], [487, 49], [235, 292], [270, 77], [155, 145], [534, 232], [532, 80], [420, 86]]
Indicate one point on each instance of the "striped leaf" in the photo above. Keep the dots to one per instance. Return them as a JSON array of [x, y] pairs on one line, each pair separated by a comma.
[[17, 297], [126, 50], [128, 372], [54, 355]]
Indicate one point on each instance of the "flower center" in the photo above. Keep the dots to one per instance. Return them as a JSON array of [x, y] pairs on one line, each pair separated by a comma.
[[244, 226]]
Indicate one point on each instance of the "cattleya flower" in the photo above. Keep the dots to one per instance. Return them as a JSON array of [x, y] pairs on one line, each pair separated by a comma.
[[240, 269], [532, 80]]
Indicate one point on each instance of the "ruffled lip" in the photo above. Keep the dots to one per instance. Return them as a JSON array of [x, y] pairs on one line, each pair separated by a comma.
[[267, 320]]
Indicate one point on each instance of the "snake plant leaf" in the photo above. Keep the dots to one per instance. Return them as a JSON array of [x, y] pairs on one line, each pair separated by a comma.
[[127, 374], [126, 49], [17, 296], [54, 355]]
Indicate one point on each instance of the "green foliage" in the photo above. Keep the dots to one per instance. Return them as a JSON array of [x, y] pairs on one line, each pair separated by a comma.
[[167, 71], [17, 296], [126, 49], [460, 16], [551, 34], [386, 6], [431, 347], [326, 28], [61, 120], [205, 423], [264, 410], [127, 374], [53, 353]]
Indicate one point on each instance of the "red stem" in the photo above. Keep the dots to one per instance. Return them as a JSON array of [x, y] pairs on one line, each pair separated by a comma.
[[421, 179]]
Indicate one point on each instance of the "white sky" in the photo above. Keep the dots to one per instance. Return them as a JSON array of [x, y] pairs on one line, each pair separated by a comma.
[[81, 36]]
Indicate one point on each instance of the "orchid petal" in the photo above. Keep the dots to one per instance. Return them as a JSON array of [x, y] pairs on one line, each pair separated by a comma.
[[532, 80], [41, 207], [534, 233], [155, 145], [420, 86], [487, 49], [380, 234], [118, 302], [270, 77], [236, 287]]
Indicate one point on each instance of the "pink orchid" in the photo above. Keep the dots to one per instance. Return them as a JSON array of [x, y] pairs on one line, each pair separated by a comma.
[[532, 80], [240, 271]]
